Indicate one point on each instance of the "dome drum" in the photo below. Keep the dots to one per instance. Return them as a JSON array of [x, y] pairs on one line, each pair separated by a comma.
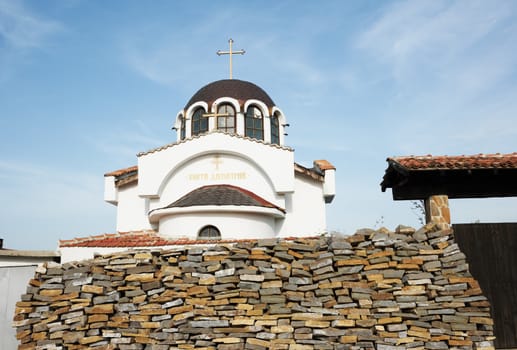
[[232, 106]]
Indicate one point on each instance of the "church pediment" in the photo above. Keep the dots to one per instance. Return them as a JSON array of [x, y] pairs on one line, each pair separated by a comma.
[[199, 160]]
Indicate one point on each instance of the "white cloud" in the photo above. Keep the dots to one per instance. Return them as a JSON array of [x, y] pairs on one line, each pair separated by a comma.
[[156, 63], [49, 204], [437, 38], [410, 29], [189, 49], [174, 56], [17, 168], [20, 32], [21, 28], [451, 66], [37, 174], [134, 137]]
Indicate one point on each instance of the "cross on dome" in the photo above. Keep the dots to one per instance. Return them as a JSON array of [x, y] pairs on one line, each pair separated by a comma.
[[230, 53]]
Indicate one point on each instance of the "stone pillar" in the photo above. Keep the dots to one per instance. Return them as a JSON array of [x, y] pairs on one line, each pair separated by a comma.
[[437, 210]]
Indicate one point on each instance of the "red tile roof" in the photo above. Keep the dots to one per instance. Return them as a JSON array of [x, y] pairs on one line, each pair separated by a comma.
[[309, 172], [136, 239], [124, 171], [324, 164], [478, 161], [189, 139]]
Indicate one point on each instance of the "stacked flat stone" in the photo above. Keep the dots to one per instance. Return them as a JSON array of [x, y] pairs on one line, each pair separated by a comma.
[[374, 290]]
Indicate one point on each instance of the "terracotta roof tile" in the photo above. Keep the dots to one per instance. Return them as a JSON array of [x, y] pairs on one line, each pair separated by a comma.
[[478, 161], [324, 164], [161, 148], [124, 171], [140, 239], [309, 172]]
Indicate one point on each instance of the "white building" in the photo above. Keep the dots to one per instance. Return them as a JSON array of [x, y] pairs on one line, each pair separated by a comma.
[[228, 176], [16, 268]]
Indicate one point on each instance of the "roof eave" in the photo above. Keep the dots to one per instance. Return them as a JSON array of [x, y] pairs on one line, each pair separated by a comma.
[[157, 214], [455, 183]]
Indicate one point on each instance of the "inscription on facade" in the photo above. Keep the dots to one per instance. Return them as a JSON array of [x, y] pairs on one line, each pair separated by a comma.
[[217, 176]]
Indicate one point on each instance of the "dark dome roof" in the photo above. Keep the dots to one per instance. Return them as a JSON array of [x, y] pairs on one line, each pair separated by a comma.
[[221, 195], [237, 89]]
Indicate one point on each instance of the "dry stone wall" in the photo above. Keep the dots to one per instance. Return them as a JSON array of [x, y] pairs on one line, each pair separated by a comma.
[[373, 290]]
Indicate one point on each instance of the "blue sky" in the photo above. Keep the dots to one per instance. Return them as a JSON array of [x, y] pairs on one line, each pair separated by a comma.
[[86, 85]]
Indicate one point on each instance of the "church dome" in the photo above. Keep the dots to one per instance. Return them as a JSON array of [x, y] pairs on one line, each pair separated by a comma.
[[238, 89], [235, 107]]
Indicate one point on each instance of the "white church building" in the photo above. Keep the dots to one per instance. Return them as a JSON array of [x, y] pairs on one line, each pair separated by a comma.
[[229, 176]]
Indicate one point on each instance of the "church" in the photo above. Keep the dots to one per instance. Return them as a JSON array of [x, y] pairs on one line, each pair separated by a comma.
[[228, 176]]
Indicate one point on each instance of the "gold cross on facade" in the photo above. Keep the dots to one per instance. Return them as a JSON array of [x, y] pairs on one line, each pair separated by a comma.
[[208, 115], [230, 53], [216, 161]]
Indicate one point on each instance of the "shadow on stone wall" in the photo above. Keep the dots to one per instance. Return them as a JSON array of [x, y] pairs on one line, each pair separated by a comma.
[[373, 290]]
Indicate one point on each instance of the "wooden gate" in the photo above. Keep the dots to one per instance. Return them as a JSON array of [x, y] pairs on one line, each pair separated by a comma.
[[491, 251]]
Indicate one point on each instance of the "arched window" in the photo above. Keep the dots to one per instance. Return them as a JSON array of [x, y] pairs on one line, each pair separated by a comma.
[[254, 126], [209, 232], [199, 123], [275, 129], [182, 128], [226, 118]]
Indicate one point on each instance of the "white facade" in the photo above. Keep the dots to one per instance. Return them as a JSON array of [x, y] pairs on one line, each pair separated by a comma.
[[17, 258], [16, 268], [13, 283], [281, 198]]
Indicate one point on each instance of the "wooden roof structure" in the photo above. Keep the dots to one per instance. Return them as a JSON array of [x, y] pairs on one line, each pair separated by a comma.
[[475, 176]]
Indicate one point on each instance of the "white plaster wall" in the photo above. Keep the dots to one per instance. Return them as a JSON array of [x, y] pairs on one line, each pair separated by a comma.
[[155, 168], [305, 210], [131, 210], [13, 283], [168, 174], [231, 225], [239, 120], [13, 261], [329, 186], [211, 169], [110, 190]]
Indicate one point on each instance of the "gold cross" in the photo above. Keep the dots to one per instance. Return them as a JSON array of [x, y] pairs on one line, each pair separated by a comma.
[[217, 161], [230, 53], [208, 115]]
